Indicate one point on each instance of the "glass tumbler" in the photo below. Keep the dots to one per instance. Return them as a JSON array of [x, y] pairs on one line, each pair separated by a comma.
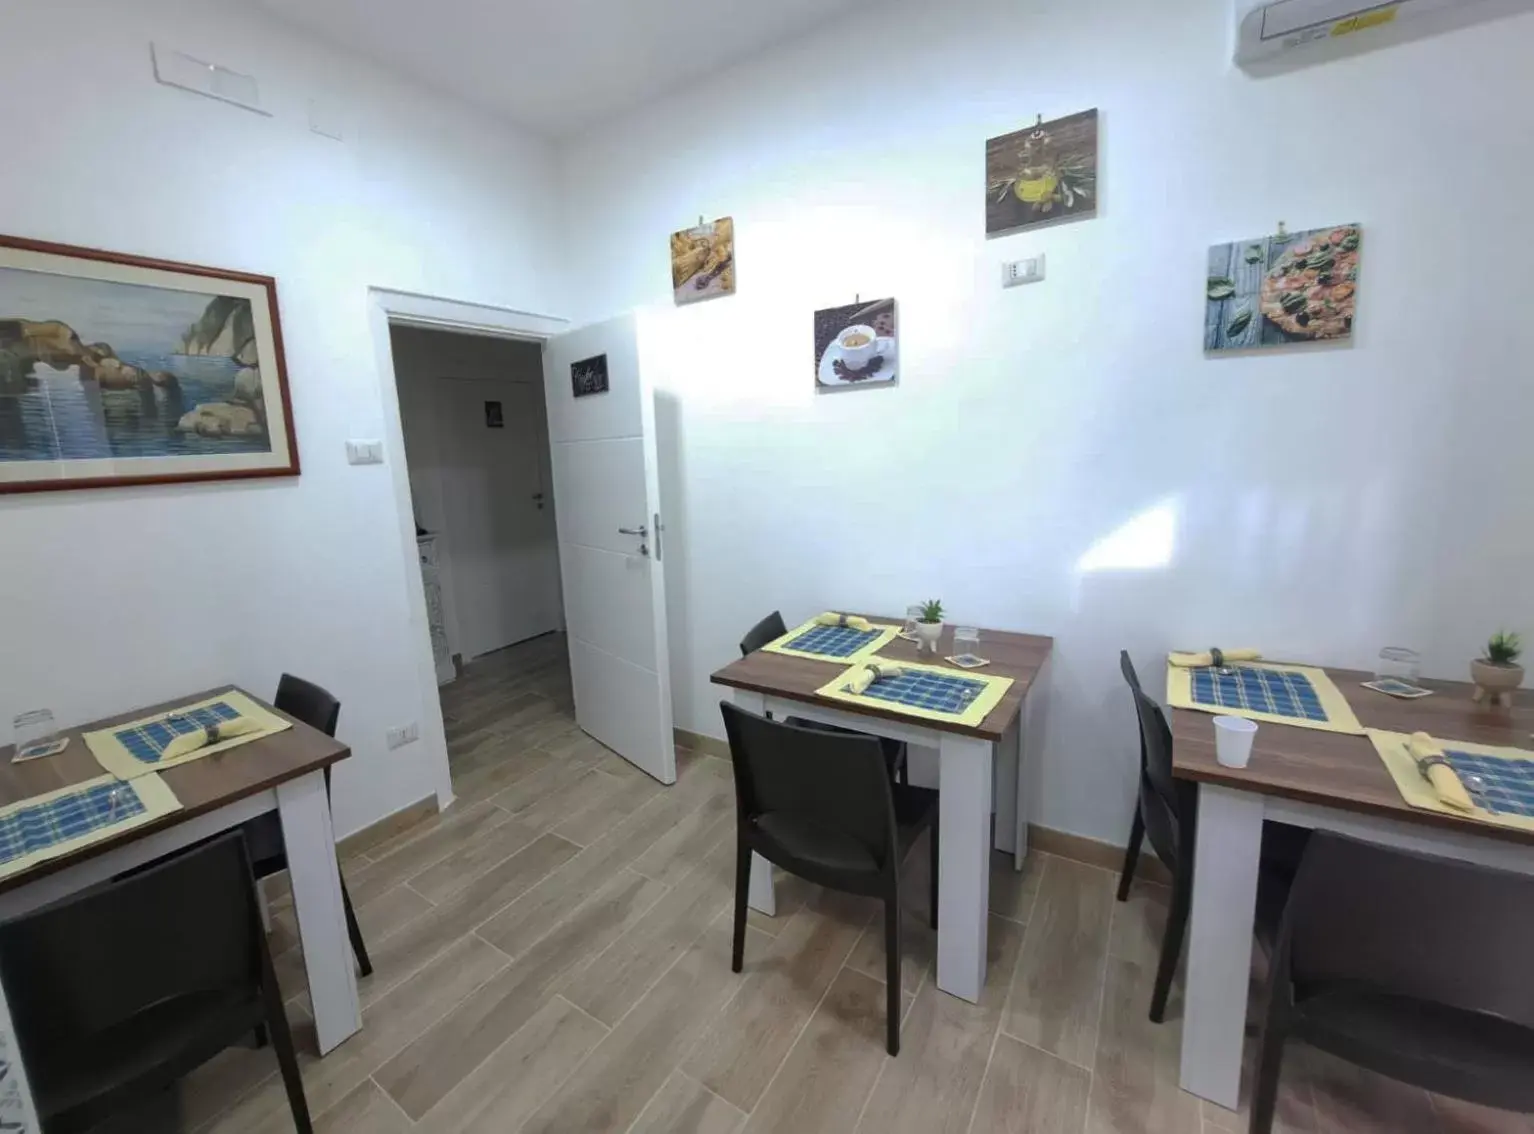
[[1400, 663], [966, 643], [36, 734]]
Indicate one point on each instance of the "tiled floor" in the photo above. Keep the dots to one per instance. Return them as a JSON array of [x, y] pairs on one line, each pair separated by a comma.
[[552, 957]]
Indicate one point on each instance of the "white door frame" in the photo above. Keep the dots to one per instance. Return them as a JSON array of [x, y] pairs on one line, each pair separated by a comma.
[[433, 313]]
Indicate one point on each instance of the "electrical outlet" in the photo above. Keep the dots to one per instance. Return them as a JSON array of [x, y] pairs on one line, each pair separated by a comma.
[[1016, 272], [399, 737]]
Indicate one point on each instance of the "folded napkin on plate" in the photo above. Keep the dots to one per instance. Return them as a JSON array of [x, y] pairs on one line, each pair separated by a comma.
[[851, 621], [1199, 661], [189, 742], [870, 672], [1431, 763]]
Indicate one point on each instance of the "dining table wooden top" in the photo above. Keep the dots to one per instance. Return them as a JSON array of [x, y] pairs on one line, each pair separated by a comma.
[[1337, 770], [1018, 656], [200, 785]]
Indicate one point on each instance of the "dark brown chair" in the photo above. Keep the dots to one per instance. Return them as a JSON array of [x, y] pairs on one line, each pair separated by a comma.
[[770, 629], [118, 992], [1412, 966], [820, 805], [304, 701], [1166, 812]]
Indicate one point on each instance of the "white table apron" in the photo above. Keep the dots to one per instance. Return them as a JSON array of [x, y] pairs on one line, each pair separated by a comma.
[[967, 774], [304, 807], [1228, 846]]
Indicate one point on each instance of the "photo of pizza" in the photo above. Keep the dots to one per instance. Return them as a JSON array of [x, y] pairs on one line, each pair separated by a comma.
[[1290, 288]]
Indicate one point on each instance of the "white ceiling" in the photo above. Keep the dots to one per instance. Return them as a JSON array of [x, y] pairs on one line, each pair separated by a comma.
[[557, 66]]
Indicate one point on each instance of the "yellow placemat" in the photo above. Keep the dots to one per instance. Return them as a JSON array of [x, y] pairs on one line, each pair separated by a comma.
[[934, 692], [131, 750], [832, 643], [1418, 792], [1299, 695], [60, 822]]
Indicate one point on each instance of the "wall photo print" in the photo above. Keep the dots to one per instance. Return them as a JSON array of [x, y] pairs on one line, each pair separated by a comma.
[[118, 370], [855, 346], [1045, 173], [703, 261], [1291, 288], [589, 376]]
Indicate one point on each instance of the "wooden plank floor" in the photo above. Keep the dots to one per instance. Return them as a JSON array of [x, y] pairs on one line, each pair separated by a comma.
[[553, 956]]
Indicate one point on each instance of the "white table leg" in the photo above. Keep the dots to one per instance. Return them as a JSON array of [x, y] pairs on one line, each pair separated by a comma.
[[762, 897], [1220, 942], [305, 808], [964, 863]]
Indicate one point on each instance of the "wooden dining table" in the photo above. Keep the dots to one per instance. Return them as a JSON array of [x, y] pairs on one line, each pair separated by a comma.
[[283, 772], [976, 766], [1322, 780]]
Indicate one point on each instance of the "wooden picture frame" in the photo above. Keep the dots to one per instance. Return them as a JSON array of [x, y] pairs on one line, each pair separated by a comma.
[[194, 388]]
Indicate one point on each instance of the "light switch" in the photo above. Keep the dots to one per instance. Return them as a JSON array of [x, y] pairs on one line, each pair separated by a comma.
[[1016, 272], [364, 452]]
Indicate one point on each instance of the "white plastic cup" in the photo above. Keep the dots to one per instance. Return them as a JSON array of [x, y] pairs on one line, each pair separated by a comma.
[[1233, 740]]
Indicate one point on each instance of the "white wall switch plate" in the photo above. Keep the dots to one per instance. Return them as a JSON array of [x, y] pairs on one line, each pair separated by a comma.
[[399, 737], [1015, 272], [364, 452]]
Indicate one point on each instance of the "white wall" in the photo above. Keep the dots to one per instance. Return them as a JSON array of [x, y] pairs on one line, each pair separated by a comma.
[[1318, 503], [423, 359], [119, 598]]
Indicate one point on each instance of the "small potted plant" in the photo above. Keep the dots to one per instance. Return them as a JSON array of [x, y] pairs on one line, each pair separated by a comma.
[[929, 627], [1498, 673]]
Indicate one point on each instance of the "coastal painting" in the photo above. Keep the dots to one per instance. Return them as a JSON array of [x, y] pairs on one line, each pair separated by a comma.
[[117, 370]]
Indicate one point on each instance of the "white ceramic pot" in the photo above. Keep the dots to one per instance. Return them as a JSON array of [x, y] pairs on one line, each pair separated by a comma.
[[927, 635], [1495, 682]]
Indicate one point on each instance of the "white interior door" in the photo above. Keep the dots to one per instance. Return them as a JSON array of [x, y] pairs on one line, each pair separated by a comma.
[[500, 543], [611, 545]]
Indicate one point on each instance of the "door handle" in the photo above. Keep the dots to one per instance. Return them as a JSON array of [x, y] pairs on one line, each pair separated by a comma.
[[641, 530]]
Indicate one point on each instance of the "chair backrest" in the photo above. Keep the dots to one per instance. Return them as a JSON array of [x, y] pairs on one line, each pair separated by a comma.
[[84, 966], [767, 630], [1437, 929], [307, 702], [836, 781], [1165, 807]]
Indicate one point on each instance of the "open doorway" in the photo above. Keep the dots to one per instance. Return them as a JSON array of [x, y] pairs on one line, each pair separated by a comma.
[[476, 445]]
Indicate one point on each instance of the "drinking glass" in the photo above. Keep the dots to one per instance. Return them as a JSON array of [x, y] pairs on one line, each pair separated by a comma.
[[912, 617], [1400, 663], [966, 643], [36, 734]]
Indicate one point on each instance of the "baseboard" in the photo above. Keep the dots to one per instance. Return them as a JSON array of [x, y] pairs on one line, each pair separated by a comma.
[[1092, 852], [697, 742], [360, 842]]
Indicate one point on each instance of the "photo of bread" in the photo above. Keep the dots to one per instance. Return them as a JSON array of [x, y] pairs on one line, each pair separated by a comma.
[[703, 261]]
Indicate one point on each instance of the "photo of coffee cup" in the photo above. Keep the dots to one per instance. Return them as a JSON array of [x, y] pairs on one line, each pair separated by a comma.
[[859, 343]]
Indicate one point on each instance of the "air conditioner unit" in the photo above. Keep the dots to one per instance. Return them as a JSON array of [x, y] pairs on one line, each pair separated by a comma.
[[1265, 31]]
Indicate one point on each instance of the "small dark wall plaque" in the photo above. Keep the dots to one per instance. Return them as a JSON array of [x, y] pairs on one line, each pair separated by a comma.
[[589, 376], [494, 418]]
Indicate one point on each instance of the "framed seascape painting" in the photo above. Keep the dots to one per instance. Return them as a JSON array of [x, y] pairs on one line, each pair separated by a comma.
[[119, 370]]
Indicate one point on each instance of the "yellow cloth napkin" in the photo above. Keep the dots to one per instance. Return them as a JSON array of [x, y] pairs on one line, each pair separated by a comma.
[[190, 742], [1439, 774], [851, 621], [1198, 661], [870, 673]]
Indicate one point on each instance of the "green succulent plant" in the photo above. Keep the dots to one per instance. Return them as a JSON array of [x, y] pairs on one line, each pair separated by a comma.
[[932, 611], [1504, 648]]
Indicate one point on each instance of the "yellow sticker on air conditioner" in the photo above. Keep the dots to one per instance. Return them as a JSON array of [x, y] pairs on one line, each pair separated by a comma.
[[1365, 20]]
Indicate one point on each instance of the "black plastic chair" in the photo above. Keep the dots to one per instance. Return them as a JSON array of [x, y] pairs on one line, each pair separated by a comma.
[[1412, 966], [770, 629], [307, 702], [1167, 813], [820, 805], [118, 992]]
